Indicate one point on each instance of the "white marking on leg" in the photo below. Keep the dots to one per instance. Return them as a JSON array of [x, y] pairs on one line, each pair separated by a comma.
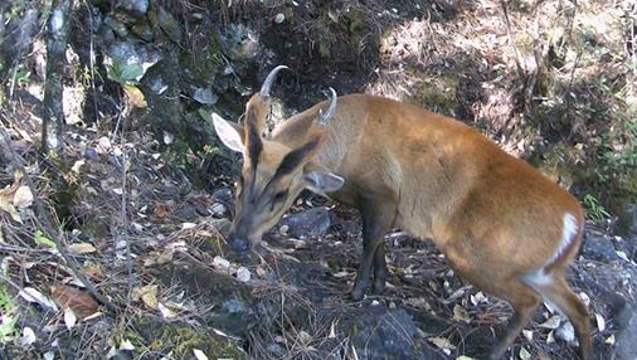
[[537, 279], [568, 236]]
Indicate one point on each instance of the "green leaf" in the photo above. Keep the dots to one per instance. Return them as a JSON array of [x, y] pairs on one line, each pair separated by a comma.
[[205, 115], [43, 240], [8, 331], [131, 72]]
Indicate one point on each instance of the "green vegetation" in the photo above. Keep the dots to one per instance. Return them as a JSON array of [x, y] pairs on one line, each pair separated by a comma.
[[594, 210], [123, 73], [8, 330], [42, 240]]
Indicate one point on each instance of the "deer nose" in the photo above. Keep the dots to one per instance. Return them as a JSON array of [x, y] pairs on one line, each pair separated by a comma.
[[239, 244]]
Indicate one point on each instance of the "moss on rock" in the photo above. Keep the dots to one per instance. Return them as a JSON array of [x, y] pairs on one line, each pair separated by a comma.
[[181, 340]]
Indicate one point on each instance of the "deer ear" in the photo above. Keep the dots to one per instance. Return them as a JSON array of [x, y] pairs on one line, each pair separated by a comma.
[[230, 134], [323, 182]]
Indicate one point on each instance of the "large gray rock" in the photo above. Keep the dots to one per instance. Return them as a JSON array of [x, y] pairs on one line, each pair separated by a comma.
[[599, 248], [239, 42], [627, 336], [381, 333], [138, 7], [311, 222], [235, 311], [129, 53]]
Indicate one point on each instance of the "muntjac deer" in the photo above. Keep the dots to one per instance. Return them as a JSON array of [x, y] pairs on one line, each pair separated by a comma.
[[501, 224]]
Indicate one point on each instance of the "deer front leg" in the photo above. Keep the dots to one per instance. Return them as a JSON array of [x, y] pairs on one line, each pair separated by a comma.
[[380, 269], [377, 217]]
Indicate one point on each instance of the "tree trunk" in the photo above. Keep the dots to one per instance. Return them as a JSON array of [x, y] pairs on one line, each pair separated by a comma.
[[16, 38], [57, 40]]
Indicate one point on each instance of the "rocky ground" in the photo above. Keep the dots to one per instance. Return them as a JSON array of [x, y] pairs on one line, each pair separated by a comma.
[[176, 289]]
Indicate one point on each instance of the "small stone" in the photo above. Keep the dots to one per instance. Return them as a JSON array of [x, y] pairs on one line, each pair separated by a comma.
[[311, 222], [298, 244], [222, 225], [218, 209], [137, 6], [566, 332], [243, 274], [91, 154], [284, 229], [279, 18], [221, 262], [103, 145], [224, 196], [205, 96]]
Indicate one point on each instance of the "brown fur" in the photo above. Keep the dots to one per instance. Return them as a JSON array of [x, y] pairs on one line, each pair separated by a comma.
[[498, 221]]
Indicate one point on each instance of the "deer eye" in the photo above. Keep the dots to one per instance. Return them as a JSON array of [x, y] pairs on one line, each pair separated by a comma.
[[280, 195]]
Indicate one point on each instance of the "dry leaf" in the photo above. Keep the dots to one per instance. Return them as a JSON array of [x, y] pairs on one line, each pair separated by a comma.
[[6, 203], [442, 343], [418, 302], [460, 314], [103, 145], [341, 274], [32, 295], [81, 248], [135, 96], [188, 225], [525, 354], [69, 318], [199, 355], [479, 297], [585, 298], [305, 337], [23, 197], [138, 291], [165, 257], [550, 338], [528, 334], [77, 165], [552, 323], [165, 311], [601, 323], [332, 334], [160, 211], [79, 301], [610, 340], [622, 255], [150, 298], [28, 337], [126, 345], [93, 270]]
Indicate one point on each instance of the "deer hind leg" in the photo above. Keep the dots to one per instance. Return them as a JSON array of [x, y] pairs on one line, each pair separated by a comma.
[[524, 301], [556, 291]]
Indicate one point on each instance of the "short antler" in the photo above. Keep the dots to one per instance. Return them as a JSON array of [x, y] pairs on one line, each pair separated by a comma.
[[269, 80], [324, 117]]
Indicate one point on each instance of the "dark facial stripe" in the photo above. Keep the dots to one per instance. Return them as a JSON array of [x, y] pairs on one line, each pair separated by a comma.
[[255, 145], [294, 158]]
